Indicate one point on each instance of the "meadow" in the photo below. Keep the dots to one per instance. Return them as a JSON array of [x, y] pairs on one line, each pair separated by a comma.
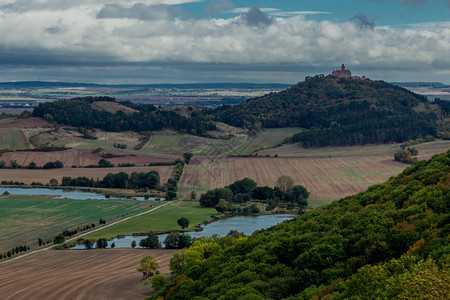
[[12, 139], [26, 219], [162, 219], [78, 274]]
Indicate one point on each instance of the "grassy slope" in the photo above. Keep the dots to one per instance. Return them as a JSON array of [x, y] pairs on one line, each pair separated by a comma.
[[267, 138], [12, 139], [161, 219], [25, 219]]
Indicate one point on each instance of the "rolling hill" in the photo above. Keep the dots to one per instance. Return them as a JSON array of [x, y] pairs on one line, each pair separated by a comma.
[[338, 111]]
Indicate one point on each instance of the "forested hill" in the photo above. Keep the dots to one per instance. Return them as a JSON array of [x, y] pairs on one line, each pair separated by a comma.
[[391, 241], [80, 112], [339, 111]]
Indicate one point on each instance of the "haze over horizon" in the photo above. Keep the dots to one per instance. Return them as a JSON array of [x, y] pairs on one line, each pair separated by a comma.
[[192, 41]]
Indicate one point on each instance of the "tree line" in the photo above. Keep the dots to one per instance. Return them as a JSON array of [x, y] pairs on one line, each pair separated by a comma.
[[78, 112]]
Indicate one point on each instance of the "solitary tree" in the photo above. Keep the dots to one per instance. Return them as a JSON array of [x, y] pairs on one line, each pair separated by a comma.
[[102, 243], [133, 244], [187, 156], [88, 244], [183, 222], [148, 266], [285, 184], [193, 195], [158, 282]]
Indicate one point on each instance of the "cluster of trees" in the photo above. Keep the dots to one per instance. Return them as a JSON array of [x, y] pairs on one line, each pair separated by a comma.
[[101, 243], [337, 111], [120, 180], [174, 240], [406, 155], [78, 112], [245, 190], [15, 251], [388, 242]]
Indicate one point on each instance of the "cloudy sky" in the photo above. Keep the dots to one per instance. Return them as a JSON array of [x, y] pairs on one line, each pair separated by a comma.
[[186, 41]]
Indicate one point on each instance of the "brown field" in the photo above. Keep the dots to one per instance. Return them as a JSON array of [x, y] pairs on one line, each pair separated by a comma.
[[327, 178], [28, 176], [112, 107], [83, 157], [94, 274], [26, 123]]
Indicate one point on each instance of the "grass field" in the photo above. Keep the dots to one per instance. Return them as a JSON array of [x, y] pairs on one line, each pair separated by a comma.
[[295, 150], [25, 219], [78, 275], [265, 139], [161, 219], [12, 139], [177, 144]]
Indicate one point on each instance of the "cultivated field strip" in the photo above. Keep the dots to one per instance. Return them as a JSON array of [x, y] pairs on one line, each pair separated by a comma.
[[326, 178], [93, 274], [40, 175]]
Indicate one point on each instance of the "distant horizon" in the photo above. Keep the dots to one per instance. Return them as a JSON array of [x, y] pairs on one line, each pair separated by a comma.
[[191, 41]]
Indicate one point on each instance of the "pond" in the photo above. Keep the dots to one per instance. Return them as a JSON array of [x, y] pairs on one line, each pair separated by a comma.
[[245, 224], [61, 194]]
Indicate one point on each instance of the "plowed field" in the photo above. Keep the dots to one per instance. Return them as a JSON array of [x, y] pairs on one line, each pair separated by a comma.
[[43, 176], [94, 274], [26, 123]]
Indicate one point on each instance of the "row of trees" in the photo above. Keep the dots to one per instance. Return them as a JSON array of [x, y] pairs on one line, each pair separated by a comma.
[[121, 180], [389, 242], [245, 190], [14, 251], [174, 240], [32, 165]]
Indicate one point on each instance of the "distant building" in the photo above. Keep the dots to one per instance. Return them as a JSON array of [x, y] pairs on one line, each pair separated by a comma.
[[342, 72]]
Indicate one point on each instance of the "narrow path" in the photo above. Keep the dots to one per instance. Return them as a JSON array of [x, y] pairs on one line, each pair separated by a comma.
[[89, 232]]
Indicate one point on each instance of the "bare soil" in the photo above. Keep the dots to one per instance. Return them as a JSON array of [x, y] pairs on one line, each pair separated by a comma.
[[43, 176], [26, 123], [82, 274]]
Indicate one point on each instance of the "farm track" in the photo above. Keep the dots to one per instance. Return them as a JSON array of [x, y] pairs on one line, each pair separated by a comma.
[[93, 274]]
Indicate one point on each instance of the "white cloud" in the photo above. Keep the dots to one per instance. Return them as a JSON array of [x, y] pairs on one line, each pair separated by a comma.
[[76, 38]]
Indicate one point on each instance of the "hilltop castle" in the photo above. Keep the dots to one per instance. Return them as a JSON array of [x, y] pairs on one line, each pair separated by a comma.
[[342, 72], [345, 73]]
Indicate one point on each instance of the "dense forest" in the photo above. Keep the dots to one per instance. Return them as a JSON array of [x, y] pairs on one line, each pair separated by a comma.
[[391, 241], [79, 112], [338, 111]]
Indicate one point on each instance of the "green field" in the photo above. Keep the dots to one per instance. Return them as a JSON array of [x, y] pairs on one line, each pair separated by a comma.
[[177, 144], [25, 219], [162, 219], [12, 139], [267, 138]]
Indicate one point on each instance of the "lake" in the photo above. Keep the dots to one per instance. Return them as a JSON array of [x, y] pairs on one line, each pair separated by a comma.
[[245, 224]]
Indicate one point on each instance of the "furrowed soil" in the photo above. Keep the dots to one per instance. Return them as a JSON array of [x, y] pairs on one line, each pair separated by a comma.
[[82, 157], [83, 274], [43, 176]]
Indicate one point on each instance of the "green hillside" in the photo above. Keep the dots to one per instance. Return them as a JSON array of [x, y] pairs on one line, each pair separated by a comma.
[[391, 241], [339, 111]]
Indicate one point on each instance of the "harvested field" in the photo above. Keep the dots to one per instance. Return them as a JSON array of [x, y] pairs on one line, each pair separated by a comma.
[[112, 107], [327, 179], [83, 157], [28, 176], [94, 274], [26, 123]]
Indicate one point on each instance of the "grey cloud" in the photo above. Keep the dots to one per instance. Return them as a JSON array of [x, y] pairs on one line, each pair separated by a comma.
[[218, 6], [363, 21], [139, 11], [255, 17]]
